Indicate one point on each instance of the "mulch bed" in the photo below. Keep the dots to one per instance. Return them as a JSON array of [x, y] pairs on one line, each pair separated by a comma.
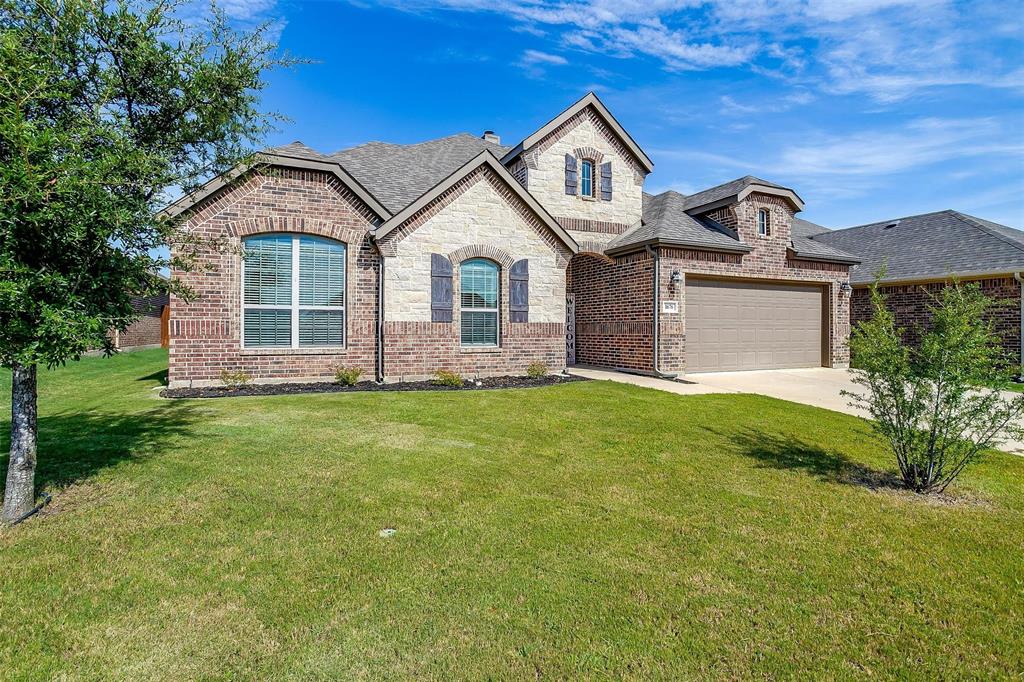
[[330, 387]]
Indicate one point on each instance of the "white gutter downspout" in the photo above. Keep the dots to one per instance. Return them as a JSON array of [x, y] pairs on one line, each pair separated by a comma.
[[1020, 281]]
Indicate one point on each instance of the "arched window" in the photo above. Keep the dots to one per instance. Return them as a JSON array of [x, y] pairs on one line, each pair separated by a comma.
[[478, 282], [587, 178], [764, 227], [293, 292]]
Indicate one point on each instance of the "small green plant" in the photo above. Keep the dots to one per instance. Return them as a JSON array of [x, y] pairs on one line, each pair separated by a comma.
[[536, 370], [234, 379], [446, 377], [928, 400], [348, 376]]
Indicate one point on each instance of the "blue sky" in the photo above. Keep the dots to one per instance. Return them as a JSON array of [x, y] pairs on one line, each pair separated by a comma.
[[870, 110]]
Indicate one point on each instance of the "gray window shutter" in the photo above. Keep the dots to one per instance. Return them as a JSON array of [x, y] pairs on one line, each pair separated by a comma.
[[519, 291], [606, 181], [440, 288], [570, 174]]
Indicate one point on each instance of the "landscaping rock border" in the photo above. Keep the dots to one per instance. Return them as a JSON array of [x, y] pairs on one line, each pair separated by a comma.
[[489, 383]]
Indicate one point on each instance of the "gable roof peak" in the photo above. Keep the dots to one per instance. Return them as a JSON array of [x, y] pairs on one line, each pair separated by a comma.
[[588, 100], [488, 159], [737, 190]]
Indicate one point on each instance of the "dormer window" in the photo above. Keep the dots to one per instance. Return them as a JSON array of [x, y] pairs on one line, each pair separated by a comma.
[[764, 227], [587, 178]]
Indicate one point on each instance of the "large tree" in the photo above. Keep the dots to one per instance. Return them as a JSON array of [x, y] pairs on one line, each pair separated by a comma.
[[106, 109]]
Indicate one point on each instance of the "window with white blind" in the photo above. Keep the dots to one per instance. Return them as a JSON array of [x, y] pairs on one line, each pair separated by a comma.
[[293, 292], [478, 283]]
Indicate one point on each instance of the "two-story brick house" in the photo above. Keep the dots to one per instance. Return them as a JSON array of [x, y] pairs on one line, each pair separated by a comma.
[[465, 254]]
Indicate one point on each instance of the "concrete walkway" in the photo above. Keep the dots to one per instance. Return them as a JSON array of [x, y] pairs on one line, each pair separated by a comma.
[[820, 387]]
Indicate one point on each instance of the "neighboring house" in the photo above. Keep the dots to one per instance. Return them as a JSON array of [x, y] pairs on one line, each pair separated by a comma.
[[921, 254], [464, 254], [150, 329]]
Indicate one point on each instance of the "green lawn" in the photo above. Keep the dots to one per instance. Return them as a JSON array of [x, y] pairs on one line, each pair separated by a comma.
[[585, 530]]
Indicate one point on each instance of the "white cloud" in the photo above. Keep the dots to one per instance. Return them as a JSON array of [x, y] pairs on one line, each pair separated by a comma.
[[921, 143], [887, 49], [247, 10], [531, 57], [533, 62]]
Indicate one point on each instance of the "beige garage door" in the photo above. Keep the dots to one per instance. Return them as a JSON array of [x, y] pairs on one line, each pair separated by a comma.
[[742, 325]]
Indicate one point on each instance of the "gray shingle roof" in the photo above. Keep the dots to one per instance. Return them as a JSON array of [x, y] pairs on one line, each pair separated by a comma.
[[398, 174], [726, 190], [297, 150], [932, 245], [805, 228], [665, 219], [804, 246]]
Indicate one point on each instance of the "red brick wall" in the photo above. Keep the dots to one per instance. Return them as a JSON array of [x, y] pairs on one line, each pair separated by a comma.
[[146, 330], [614, 307], [909, 303], [206, 335], [415, 350], [769, 260]]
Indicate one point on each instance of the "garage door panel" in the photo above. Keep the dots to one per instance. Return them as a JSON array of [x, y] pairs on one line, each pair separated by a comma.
[[745, 325]]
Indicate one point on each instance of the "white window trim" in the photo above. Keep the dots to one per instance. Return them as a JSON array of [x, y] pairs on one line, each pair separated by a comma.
[[496, 311], [767, 223], [294, 307]]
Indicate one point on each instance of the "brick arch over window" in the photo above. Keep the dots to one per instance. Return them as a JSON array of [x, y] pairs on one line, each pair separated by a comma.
[[592, 248], [589, 153], [481, 251], [298, 225]]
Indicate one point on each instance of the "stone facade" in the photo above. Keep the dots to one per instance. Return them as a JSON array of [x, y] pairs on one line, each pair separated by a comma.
[[586, 134], [478, 211], [909, 302], [477, 217]]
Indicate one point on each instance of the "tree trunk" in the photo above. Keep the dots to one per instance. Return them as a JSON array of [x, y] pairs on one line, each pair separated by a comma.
[[20, 494]]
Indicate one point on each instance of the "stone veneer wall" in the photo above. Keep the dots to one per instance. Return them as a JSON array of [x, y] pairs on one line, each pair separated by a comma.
[[585, 133], [480, 216], [614, 310], [206, 333], [909, 303]]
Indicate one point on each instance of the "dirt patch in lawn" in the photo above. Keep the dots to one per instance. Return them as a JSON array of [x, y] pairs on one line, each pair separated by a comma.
[[489, 383]]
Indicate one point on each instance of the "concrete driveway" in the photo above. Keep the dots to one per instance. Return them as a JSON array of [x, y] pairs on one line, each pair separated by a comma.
[[819, 387]]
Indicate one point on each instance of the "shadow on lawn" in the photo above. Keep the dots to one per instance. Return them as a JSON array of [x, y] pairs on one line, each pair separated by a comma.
[[159, 377], [75, 446], [779, 451]]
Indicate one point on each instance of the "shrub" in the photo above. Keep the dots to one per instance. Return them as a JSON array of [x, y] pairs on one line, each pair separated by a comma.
[[445, 377], [234, 379], [348, 376], [536, 370], [933, 402]]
